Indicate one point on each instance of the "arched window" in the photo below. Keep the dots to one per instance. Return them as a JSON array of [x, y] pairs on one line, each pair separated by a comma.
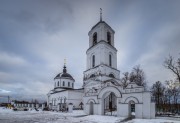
[[64, 99], [111, 75], [93, 61], [61, 100], [54, 101], [58, 83], [92, 76], [94, 38], [109, 37], [63, 83], [68, 84], [110, 60]]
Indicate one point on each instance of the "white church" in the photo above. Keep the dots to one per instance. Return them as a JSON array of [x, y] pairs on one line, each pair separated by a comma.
[[102, 92]]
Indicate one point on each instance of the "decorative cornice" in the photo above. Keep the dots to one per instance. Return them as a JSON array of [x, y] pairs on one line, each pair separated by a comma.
[[104, 42]]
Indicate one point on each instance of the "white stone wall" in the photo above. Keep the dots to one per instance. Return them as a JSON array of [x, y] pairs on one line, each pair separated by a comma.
[[101, 52], [139, 110], [136, 97], [146, 105], [87, 101], [56, 98], [75, 97], [71, 96], [65, 80], [122, 110], [152, 110], [103, 70], [143, 106]]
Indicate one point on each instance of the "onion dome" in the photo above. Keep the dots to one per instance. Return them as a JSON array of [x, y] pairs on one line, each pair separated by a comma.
[[64, 74]]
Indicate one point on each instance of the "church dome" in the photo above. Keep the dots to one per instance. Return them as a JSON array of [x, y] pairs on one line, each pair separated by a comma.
[[64, 74]]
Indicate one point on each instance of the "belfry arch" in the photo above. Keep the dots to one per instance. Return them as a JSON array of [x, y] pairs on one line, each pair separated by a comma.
[[110, 89], [108, 97]]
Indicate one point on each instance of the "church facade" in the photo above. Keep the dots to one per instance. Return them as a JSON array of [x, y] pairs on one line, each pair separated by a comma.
[[103, 93]]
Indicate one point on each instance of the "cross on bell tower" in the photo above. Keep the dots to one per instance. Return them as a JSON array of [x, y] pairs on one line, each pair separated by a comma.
[[100, 14]]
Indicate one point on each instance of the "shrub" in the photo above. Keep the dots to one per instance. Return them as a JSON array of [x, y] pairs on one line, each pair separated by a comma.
[[15, 109]]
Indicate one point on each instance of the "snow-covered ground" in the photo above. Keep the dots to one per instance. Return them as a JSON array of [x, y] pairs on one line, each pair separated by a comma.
[[10, 116]]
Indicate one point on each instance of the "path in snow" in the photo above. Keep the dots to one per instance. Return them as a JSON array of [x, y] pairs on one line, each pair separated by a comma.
[[9, 116]]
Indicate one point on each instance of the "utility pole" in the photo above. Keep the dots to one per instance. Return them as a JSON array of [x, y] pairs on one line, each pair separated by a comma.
[[8, 97]]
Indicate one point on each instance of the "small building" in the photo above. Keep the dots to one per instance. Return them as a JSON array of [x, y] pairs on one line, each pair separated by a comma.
[[64, 93]]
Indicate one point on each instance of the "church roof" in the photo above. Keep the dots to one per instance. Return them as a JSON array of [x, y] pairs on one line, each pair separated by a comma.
[[67, 89], [103, 23], [64, 74]]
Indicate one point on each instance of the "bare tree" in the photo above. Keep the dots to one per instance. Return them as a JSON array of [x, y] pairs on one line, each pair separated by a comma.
[[125, 79], [138, 76], [157, 91], [173, 65], [172, 92]]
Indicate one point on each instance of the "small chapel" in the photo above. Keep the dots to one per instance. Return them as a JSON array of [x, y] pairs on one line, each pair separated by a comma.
[[64, 93], [102, 92]]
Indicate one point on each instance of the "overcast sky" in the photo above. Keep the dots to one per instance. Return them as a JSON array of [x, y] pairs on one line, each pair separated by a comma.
[[36, 36]]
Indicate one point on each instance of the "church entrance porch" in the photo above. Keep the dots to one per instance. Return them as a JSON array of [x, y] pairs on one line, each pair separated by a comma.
[[110, 104], [108, 99]]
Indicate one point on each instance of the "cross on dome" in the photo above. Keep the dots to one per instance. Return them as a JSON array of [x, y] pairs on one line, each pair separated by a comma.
[[64, 70], [64, 62]]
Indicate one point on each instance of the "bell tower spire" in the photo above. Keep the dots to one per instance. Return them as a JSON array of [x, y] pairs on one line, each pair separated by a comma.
[[101, 55]]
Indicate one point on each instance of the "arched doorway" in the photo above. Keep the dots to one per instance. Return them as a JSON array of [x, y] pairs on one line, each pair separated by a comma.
[[104, 96], [110, 104], [131, 109], [91, 110]]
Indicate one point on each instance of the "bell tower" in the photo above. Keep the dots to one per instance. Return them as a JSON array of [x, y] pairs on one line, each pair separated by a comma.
[[101, 55]]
